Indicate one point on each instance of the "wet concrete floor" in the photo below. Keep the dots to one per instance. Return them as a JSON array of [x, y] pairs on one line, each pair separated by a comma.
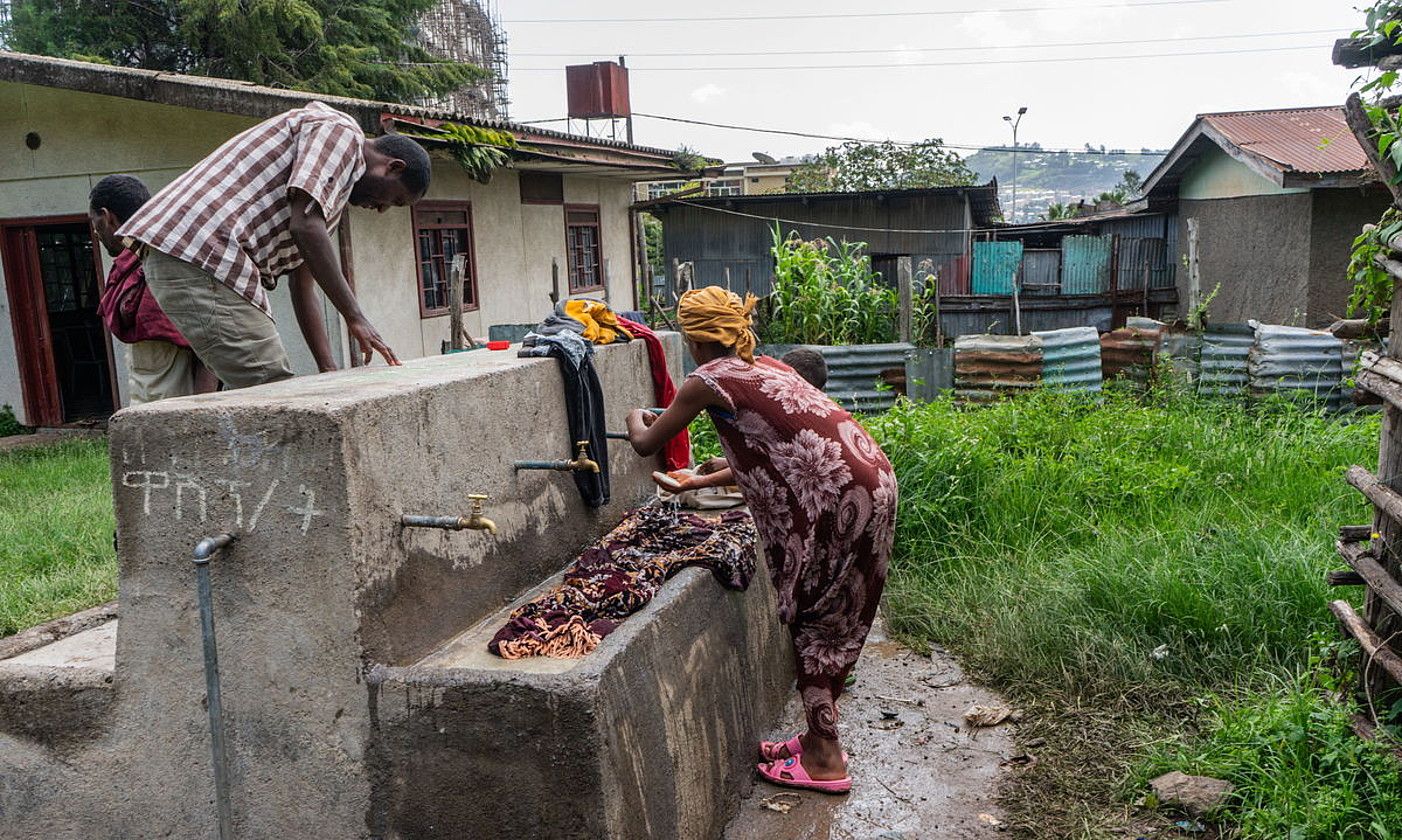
[[918, 771]]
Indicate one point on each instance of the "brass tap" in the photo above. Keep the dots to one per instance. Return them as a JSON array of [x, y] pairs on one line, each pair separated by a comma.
[[582, 462], [475, 520]]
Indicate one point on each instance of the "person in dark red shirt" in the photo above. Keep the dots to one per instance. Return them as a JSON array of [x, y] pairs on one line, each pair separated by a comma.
[[160, 362]]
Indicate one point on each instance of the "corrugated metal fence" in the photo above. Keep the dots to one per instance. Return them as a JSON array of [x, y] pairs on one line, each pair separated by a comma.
[[1085, 265], [1071, 359], [995, 267]]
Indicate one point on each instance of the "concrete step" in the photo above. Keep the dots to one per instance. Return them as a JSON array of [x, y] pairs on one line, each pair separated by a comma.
[[651, 735], [61, 692]]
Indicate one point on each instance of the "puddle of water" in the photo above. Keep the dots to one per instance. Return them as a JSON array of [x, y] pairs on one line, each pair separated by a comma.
[[918, 772]]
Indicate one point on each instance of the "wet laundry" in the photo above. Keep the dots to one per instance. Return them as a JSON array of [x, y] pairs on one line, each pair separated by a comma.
[[678, 451], [621, 573]]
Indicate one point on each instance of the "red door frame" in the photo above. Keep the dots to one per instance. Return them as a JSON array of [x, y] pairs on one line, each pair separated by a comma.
[[29, 317]]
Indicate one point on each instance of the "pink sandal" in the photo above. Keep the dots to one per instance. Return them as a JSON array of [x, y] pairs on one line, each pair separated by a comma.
[[790, 773], [769, 750]]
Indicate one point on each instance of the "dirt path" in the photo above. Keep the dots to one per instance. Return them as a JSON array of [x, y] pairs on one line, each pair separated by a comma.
[[918, 772]]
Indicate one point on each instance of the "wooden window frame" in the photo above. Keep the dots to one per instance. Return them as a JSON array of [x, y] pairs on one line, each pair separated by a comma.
[[599, 229], [471, 280]]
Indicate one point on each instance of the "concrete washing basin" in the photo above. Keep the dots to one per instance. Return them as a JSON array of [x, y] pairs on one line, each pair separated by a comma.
[[359, 699]]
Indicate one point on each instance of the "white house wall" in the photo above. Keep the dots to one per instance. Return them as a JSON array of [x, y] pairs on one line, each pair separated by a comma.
[[86, 136]]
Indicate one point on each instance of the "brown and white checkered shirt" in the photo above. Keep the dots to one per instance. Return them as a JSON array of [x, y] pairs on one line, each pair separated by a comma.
[[231, 213]]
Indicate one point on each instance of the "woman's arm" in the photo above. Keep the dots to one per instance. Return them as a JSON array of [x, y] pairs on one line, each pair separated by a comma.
[[649, 432]]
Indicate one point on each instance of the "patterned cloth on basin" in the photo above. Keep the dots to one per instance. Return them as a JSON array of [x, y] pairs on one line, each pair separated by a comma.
[[621, 573]]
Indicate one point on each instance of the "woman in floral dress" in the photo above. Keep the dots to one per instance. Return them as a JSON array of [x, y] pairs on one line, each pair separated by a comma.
[[823, 498]]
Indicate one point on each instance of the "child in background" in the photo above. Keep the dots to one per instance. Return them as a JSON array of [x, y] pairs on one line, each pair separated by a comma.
[[159, 361], [823, 497], [715, 472]]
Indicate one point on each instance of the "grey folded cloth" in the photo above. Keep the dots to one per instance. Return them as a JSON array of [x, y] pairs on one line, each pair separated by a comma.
[[575, 348]]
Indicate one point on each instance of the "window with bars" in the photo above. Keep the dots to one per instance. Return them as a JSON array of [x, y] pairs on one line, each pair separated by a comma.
[[582, 243], [725, 186], [442, 230], [658, 189]]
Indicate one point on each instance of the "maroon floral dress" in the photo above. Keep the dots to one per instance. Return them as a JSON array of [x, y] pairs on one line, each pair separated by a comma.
[[823, 497]]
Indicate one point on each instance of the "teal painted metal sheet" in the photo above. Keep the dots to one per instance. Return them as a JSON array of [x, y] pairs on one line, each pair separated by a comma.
[[1085, 265], [1071, 359], [995, 267]]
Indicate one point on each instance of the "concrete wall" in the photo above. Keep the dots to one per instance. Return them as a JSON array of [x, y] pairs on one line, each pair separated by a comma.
[[85, 137], [1219, 175], [1339, 216], [1258, 249], [322, 584]]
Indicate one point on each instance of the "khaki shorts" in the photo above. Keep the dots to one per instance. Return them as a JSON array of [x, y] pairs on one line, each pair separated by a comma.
[[159, 370], [235, 339]]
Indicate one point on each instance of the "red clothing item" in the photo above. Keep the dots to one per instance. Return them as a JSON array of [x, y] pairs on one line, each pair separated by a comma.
[[127, 308], [678, 449]]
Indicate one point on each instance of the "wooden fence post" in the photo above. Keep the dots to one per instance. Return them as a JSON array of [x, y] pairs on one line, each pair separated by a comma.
[[455, 283], [903, 287], [1378, 562], [1194, 279]]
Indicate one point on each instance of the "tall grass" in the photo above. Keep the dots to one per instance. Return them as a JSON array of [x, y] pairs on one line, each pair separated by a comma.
[[56, 526], [1120, 548], [1119, 568]]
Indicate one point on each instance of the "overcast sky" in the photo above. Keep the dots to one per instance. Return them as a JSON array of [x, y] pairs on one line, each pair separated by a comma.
[[1128, 103]]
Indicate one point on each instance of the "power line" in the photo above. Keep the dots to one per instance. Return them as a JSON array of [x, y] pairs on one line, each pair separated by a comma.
[[897, 50], [911, 64], [814, 136], [846, 15]]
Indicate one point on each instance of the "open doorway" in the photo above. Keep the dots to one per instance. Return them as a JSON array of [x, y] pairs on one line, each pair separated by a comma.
[[65, 357]]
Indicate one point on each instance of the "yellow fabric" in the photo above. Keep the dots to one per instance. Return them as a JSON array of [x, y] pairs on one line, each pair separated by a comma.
[[715, 314], [600, 324]]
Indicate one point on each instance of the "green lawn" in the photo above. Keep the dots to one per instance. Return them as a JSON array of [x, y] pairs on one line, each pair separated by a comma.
[[56, 519], [1145, 576]]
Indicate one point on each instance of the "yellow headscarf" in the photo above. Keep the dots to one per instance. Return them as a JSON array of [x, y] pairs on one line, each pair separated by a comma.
[[714, 314]]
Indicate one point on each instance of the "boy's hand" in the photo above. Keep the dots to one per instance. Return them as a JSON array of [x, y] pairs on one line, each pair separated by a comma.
[[711, 466]]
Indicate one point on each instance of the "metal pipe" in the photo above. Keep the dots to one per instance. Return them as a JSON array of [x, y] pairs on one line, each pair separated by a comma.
[[204, 552], [448, 523], [542, 465], [617, 436]]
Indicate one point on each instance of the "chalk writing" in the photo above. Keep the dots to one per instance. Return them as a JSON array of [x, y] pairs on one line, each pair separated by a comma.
[[308, 510], [258, 511], [236, 495], [145, 480], [183, 482]]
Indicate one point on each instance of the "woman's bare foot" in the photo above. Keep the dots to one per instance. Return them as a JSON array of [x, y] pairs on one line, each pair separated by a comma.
[[822, 757]]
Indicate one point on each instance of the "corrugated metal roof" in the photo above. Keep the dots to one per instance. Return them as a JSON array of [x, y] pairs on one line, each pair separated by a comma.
[[1314, 141], [246, 98], [983, 198]]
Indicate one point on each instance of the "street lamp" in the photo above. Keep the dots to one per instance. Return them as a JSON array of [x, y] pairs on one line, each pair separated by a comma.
[[1015, 123]]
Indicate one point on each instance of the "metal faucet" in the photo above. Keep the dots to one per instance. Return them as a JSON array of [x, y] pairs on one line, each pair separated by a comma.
[[581, 463], [474, 521]]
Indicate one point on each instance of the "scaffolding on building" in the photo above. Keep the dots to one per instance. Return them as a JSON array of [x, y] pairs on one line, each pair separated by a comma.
[[469, 31]]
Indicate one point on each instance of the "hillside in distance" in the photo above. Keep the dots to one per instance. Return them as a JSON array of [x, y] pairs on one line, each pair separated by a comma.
[[1045, 178]]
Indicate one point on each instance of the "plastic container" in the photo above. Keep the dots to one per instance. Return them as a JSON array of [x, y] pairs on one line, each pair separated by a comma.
[[498, 345]]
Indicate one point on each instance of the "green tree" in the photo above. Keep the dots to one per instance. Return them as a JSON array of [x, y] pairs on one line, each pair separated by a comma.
[[652, 236], [1059, 211], [362, 48], [880, 166]]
